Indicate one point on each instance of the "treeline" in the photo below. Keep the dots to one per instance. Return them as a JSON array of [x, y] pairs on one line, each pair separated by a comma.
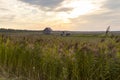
[[14, 30]]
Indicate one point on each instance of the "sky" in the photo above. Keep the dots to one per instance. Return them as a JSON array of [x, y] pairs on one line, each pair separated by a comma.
[[73, 15]]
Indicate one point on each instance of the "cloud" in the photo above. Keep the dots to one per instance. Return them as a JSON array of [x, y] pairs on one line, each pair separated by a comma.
[[60, 14], [18, 14], [108, 14], [63, 9], [112, 4], [4, 9], [97, 21], [7, 18], [45, 4], [19, 11]]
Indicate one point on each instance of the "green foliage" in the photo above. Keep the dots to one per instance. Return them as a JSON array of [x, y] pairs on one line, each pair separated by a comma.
[[59, 58]]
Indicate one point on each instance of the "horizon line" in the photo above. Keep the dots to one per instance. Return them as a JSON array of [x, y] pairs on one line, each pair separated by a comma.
[[58, 30]]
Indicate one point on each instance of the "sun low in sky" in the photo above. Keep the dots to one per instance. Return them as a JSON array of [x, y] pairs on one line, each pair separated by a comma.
[[78, 15]]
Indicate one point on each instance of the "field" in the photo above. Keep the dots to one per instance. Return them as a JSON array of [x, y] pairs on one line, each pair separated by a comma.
[[34, 56]]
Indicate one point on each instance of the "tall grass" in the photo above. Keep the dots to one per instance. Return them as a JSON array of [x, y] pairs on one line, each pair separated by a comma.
[[56, 58]]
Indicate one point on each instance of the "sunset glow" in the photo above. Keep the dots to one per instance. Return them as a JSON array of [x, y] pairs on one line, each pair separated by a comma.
[[80, 8], [69, 14]]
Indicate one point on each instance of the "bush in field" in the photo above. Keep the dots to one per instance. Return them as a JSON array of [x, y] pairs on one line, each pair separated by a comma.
[[56, 58]]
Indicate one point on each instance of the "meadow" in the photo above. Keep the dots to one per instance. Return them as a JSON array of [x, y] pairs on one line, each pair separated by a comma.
[[53, 57]]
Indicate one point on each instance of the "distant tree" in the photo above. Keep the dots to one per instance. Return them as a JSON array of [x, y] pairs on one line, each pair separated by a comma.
[[47, 30]]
